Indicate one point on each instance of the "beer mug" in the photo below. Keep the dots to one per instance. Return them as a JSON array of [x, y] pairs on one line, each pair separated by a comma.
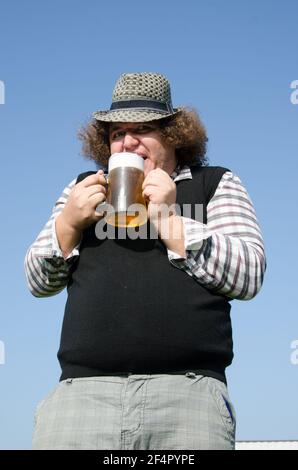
[[125, 205]]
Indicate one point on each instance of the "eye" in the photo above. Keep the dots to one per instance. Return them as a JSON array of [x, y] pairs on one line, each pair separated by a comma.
[[144, 129], [117, 135]]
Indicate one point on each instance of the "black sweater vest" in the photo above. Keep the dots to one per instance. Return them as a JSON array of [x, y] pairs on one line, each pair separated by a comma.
[[129, 310]]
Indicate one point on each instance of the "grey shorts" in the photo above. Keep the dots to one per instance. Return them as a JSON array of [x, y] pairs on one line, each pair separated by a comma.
[[136, 412]]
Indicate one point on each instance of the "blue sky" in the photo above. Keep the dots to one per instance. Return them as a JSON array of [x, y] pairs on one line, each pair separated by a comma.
[[234, 61]]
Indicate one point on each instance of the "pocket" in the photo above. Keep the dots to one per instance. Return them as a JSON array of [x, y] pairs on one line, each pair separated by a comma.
[[219, 393]]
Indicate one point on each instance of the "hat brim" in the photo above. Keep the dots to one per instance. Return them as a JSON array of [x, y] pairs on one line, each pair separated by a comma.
[[132, 115]]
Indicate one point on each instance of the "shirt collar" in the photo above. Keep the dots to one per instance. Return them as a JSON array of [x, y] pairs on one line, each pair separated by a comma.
[[181, 173]]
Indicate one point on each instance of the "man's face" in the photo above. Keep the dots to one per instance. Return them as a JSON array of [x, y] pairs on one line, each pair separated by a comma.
[[145, 140]]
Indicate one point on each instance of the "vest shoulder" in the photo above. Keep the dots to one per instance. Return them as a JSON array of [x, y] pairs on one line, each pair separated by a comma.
[[208, 171], [208, 178]]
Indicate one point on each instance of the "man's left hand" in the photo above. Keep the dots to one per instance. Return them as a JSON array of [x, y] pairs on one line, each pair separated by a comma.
[[159, 189]]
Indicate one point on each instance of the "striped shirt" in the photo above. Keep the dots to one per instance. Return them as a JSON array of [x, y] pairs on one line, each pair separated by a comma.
[[226, 255]]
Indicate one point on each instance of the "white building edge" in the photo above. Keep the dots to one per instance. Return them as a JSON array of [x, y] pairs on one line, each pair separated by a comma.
[[266, 445]]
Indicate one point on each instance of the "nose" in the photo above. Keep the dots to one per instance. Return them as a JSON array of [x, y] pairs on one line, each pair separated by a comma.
[[130, 142]]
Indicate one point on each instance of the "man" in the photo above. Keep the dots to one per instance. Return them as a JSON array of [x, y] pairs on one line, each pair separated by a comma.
[[146, 336]]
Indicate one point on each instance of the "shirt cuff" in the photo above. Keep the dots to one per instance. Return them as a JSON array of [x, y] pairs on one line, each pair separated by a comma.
[[195, 233], [56, 250]]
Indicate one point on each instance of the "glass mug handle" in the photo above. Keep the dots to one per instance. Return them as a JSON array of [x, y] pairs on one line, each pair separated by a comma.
[[103, 205]]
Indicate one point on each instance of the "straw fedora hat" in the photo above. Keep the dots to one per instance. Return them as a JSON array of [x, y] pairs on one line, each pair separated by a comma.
[[139, 97]]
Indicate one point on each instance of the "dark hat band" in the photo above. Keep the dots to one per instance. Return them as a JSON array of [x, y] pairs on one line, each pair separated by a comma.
[[147, 104]]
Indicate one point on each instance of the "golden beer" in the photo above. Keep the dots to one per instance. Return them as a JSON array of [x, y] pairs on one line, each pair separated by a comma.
[[124, 194]]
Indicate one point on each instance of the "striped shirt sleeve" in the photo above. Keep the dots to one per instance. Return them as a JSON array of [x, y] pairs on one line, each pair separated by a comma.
[[46, 270], [226, 255]]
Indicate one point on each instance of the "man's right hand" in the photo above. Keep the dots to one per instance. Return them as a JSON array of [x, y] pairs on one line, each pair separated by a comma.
[[80, 211]]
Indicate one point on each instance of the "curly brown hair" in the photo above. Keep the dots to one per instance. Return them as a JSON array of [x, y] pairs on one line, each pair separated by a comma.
[[184, 130]]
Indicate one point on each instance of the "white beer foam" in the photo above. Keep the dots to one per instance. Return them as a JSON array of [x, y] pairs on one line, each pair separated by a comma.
[[126, 159]]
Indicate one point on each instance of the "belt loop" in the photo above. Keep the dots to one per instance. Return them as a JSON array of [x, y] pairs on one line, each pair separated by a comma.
[[69, 381], [191, 375]]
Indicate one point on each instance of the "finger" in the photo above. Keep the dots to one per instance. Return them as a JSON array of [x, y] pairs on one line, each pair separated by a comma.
[[102, 180], [159, 171], [150, 182], [96, 199], [92, 179], [149, 190], [99, 215], [94, 189]]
